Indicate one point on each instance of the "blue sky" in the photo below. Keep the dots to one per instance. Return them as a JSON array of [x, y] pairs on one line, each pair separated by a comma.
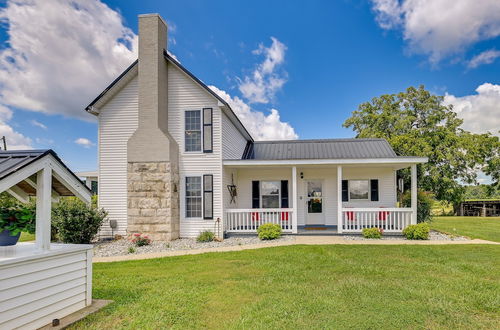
[[335, 55]]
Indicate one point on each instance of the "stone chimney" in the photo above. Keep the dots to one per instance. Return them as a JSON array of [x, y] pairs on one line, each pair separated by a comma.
[[152, 153]]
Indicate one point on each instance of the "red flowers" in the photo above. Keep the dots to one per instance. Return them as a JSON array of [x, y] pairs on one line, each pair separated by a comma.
[[140, 239]]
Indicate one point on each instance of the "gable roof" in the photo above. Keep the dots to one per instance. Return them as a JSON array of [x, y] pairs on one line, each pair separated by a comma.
[[319, 149], [133, 69]]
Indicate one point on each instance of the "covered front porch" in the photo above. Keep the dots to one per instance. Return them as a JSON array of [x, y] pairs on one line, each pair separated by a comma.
[[321, 196]]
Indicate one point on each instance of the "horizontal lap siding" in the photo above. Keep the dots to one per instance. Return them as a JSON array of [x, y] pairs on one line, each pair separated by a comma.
[[33, 293], [233, 142], [117, 122], [386, 185], [184, 94]]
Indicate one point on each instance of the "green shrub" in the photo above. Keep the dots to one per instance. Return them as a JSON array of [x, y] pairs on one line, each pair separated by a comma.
[[140, 239], [372, 233], [418, 231], [424, 205], [206, 236], [15, 216], [269, 231], [77, 222]]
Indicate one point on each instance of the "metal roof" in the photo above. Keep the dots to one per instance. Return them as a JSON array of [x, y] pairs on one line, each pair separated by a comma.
[[12, 161], [319, 149]]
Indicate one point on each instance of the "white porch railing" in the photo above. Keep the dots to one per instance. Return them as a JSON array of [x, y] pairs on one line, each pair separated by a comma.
[[392, 220], [248, 220]]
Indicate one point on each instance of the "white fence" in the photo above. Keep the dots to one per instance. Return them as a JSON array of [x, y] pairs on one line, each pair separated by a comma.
[[248, 220], [388, 219]]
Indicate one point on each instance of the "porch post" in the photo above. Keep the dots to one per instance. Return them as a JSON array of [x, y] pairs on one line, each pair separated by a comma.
[[43, 205], [294, 200], [414, 193], [339, 199]]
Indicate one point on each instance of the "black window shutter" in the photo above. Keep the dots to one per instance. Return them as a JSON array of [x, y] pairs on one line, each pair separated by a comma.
[[208, 135], [255, 195], [345, 191], [374, 190], [208, 196], [284, 194]]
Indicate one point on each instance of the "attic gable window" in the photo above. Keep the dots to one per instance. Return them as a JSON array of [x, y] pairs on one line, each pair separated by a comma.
[[193, 130]]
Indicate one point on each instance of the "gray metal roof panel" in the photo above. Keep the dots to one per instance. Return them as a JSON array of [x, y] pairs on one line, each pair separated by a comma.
[[13, 160], [321, 149]]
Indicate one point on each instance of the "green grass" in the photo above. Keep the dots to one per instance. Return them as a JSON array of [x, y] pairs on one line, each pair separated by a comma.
[[26, 237], [474, 227], [358, 287]]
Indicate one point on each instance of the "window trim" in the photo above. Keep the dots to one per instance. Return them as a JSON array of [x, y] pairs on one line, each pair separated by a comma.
[[203, 196], [201, 132], [185, 197], [368, 199], [260, 193]]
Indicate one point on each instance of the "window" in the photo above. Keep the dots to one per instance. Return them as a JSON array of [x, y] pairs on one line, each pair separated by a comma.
[[358, 189], [208, 196], [193, 197], [93, 185], [207, 130], [270, 194], [193, 130]]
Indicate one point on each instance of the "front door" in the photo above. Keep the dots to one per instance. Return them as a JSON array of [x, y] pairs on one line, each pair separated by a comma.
[[314, 203]]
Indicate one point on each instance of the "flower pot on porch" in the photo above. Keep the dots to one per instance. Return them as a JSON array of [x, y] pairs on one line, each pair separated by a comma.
[[6, 239]]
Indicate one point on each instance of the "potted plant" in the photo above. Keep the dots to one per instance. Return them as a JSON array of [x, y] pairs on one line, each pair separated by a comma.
[[15, 219]]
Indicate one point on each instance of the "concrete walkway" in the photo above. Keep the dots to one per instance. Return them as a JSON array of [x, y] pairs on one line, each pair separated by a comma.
[[305, 240]]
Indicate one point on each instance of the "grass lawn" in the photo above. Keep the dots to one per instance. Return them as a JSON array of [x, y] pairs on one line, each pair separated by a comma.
[[473, 227], [359, 287], [26, 237]]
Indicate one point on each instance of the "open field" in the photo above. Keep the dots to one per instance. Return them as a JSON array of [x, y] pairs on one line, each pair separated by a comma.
[[325, 286], [487, 228]]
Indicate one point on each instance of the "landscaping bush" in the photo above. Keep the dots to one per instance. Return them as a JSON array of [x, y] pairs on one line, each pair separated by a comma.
[[269, 231], [372, 233], [424, 205], [205, 236], [140, 239], [75, 221], [419, 231]]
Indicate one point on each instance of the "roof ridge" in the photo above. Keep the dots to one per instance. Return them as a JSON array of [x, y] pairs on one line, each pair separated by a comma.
[[322, 140]]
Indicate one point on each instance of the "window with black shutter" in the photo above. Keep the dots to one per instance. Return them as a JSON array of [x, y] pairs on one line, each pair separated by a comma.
[[208, 196], [284, 194], [207, 130], [255, 194], [374, 190], [345, 191]]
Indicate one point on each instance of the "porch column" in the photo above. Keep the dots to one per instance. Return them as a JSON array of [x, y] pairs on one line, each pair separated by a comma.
[[43, 206], [294, 200], [339, 199], [414, 194]]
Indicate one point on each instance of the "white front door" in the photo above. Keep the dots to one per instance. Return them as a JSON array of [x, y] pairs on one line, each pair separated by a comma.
[[314, 203]]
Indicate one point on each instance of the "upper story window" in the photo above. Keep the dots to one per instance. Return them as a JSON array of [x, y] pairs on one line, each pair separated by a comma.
[[199, 130], [193, 130]]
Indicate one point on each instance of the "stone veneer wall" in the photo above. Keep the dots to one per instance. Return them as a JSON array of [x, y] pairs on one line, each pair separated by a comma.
[[153, 200]]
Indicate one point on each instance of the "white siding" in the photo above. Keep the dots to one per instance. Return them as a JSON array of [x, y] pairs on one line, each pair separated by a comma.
[[386, 185], [117, 122], [233, 142], [184, 94], [34, 292]]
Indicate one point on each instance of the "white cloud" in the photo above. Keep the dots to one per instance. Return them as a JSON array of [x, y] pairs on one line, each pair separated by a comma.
[[38, 124], [261, 126], [486, 57], [61, 54], [440, 28], [86, 143], [15, 140], [262, 85], [480, 112]]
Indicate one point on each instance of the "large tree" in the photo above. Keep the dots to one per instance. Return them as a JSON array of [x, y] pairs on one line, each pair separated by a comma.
[[418, 123]]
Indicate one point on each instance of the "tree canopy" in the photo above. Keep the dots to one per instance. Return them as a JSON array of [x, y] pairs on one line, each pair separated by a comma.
[[417, 123]]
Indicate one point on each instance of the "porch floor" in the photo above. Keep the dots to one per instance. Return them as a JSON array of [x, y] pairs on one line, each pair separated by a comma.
[[317, 230]]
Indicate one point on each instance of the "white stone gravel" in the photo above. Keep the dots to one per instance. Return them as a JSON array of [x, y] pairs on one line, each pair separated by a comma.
[[121, 247], [433, 236]]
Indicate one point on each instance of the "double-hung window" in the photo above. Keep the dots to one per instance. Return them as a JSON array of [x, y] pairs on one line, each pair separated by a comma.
[[198, 130], [193, 197], [359, 190], [270, 194]]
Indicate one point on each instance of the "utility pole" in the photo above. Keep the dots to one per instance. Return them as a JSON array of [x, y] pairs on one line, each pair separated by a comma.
[[4, 142]]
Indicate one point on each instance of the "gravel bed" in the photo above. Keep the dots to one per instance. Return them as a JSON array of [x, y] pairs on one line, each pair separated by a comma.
[[121, 247], [433, 236]]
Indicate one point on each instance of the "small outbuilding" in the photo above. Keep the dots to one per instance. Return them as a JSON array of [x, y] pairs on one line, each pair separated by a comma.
[[41, 281], [480, 208]]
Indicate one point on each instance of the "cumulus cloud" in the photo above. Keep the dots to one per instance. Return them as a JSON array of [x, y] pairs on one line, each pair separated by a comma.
[[60, 54], [486, 57], [15, 140], [481, 111], [260, 125], [262, 85], [38, 124], [86, 143], [440, 28]]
